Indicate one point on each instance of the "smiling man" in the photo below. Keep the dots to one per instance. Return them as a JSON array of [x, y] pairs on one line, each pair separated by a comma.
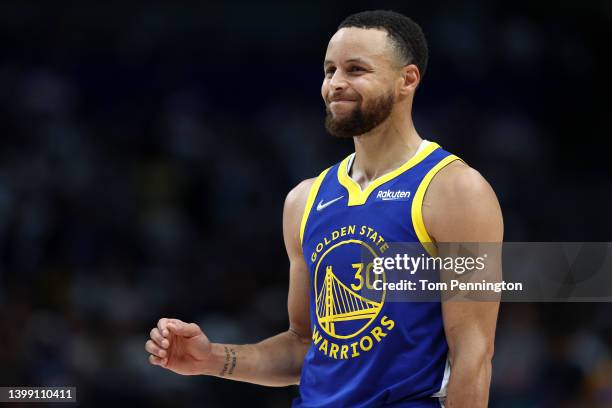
[[345, 349]]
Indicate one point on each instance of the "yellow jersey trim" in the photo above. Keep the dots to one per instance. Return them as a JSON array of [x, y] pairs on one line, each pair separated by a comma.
[[417, 205], [358, 197], [312, 194]]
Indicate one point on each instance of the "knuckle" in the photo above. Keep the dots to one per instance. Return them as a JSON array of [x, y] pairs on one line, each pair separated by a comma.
[[153, 349]]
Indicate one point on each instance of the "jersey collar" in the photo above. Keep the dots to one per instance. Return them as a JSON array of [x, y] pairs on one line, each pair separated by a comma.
[[357, 196]]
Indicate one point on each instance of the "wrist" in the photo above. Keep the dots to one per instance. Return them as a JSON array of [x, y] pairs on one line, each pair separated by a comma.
[[213, 365]]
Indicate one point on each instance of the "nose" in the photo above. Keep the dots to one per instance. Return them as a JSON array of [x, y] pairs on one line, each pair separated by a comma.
[[338, 80]]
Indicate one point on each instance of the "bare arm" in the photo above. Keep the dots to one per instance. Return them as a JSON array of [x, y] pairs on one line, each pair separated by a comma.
[[276, 361], [460, 206]]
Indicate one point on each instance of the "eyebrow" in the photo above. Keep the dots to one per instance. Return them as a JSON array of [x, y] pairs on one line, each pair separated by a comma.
[[359, 60]]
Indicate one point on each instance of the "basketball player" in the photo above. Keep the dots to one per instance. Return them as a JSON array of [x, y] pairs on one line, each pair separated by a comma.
[[400, 354]]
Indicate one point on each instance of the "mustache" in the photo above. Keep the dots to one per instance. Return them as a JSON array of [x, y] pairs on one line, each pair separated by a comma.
[[341, 97]]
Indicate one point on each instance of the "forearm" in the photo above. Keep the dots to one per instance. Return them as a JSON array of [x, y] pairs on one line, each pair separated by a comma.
[[276, 361], [469, 382]]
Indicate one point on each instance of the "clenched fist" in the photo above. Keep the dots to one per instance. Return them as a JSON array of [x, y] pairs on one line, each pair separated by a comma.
[[180, 347]]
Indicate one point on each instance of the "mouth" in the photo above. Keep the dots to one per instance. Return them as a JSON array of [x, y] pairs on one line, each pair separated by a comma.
[[339, 97], [341, 101]]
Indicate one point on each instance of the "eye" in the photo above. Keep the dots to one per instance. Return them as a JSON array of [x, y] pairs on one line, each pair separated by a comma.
[[356, 69], [329, 71]]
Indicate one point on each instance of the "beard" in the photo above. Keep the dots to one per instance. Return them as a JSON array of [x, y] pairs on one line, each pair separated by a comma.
[[362, 119]]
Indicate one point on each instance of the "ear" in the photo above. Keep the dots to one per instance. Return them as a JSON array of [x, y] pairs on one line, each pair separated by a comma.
[[410, 79]]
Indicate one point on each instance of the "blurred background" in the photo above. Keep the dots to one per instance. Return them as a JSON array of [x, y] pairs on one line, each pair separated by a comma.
[[146, 150]]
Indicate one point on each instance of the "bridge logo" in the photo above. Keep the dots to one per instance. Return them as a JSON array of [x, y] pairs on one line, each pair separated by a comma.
[[342, 312]]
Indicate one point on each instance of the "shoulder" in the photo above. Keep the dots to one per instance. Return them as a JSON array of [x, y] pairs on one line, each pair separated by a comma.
[[298, 202], [300, 195], [460, 205], [293, 213], [460, 181], [296, 198]]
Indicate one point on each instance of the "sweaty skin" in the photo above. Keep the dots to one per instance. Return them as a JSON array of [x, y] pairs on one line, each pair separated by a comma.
[[459, 206]]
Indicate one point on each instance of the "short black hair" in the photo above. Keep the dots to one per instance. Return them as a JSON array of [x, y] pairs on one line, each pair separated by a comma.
[[407, 36]]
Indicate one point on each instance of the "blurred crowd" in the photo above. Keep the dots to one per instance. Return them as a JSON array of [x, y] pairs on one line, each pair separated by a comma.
[[146, 152]]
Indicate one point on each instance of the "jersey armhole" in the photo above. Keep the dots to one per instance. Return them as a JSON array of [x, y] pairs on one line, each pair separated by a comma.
[[312, 194], [417, 205]]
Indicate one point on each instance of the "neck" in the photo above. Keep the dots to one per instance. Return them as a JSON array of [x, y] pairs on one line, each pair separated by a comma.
[[384, 148]]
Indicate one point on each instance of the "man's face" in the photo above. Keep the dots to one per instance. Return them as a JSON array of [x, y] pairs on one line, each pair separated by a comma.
[[358, 88]]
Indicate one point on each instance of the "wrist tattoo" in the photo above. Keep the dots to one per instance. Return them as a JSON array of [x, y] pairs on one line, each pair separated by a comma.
[[230, 362]]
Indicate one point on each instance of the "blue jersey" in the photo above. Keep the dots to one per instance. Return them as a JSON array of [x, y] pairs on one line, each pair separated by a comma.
[[366, 352]]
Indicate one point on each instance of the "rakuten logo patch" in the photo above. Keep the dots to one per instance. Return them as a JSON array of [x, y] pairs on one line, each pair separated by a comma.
[[388, 195]]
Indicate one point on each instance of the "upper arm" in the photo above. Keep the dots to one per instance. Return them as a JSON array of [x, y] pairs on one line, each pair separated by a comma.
[[461, 207], [299, 279]]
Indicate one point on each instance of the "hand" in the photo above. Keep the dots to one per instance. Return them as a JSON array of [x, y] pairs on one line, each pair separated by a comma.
[[180, 347]]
